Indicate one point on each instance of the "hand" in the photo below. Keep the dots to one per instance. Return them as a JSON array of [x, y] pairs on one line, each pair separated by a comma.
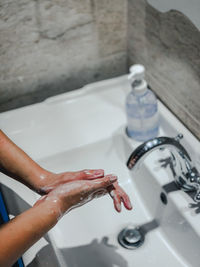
[[74, 194], [52, 180], [116, 192]]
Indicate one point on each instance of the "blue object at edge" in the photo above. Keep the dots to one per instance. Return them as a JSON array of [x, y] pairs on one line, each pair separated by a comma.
[[5, 218]]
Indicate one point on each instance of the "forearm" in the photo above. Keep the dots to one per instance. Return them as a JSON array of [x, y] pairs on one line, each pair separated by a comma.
[[15, 163], [24, 230]]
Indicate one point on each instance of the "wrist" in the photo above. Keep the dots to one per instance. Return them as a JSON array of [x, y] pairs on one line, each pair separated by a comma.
[[41, 179], [51, 207]]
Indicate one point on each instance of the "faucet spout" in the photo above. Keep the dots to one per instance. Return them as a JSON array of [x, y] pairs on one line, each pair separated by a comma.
[[185, 174], [157, 143]]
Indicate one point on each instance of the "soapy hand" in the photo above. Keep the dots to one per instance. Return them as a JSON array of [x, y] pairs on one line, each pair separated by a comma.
[[61, 193], [116, 192], [53, 180], [74, 194]]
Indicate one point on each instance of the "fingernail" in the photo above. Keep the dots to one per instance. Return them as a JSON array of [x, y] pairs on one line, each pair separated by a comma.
[[113, 178], [129, 205], [118, 206]]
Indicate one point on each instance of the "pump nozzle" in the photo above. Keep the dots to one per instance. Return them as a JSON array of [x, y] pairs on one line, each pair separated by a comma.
[[137, 72], [136, 77]]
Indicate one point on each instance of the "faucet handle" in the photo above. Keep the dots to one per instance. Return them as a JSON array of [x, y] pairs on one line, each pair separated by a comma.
[[193, 180], [178, 137], [197, 197]]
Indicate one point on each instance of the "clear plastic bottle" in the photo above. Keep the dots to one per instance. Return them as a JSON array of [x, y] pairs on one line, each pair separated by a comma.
[[141, 107]]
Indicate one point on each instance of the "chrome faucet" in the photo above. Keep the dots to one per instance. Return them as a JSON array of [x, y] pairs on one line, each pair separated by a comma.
[[185, 174]]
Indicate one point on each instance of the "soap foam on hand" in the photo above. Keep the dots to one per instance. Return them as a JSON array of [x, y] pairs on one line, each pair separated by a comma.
[[68, 196]]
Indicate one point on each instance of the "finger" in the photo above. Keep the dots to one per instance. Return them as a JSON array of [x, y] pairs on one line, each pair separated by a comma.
[[116, 192], [124, 197], [89, 174], [126, 201], [116, 199], [101, 183]]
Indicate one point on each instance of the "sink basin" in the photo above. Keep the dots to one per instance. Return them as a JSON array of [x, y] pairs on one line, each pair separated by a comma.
[[88, 236], [85, 130]]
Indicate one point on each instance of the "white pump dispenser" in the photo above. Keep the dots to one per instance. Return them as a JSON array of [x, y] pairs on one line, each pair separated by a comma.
[[136, 78], [141, 107]]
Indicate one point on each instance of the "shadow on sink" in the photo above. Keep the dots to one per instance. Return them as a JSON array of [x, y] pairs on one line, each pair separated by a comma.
[[45, 257], [97, 253]]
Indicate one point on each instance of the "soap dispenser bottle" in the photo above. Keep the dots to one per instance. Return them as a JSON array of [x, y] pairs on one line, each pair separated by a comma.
[[141, 107]]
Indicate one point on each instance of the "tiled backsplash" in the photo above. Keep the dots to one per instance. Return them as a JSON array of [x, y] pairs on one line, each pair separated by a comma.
[[168, 44]]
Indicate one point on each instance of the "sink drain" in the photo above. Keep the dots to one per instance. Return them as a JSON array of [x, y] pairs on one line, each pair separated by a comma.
[[131, 238]]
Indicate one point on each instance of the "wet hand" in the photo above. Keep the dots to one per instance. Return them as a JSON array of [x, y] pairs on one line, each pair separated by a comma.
[[52, 180], [74, 194], [116, 192]]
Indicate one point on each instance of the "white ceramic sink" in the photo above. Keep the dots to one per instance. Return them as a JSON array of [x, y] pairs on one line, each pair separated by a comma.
[[86, 129]]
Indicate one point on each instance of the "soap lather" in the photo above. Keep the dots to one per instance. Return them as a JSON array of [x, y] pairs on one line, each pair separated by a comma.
[[141, 107]]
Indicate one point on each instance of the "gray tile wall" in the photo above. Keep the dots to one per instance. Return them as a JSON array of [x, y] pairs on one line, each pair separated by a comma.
[[50, 47], [168, 44]]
